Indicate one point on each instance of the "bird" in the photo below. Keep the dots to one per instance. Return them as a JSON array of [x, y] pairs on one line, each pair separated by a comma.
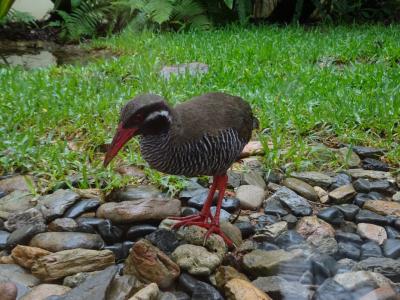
[[202, 136]]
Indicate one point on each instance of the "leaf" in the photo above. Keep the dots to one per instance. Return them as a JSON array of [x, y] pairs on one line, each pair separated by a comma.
[[229, 3]]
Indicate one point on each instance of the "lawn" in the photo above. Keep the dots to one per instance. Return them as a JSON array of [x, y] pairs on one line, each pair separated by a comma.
[[307, 86]]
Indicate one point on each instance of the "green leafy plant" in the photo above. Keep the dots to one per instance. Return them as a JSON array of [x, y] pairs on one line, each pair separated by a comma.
[[15, 16], [243, 8], [5, 6]]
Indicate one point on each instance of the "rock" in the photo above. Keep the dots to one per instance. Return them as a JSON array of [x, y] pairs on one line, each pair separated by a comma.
[[150, 264], [396, 197], [195, 235], [131, 171], [23, 235], [166, 240], [302, 188], [362, 185], [279, 288], [388, 267], [366, 216], [239, 289], [68, 262], [348, 157], [369, 174], [230, 204], [139, 210], [93, 288], [189, 211], [224, 215], [123, 286], [323, 266], [324, 244], [81, 207], [25, 256], [109, 232], [196, 259], [356, 280], [348, 250], [297, 204], [232, 232], [149, 292], [198, 200], [54, 205], [313, 226], [314, 178], [130, 193], [374, 164], [339, 180], [198, 289], [42, 291], [370, 249], [290, 220], [345, 265], [8, 291], [254, 178], [331, 290], [224, 274], [372, 232], [342, 194], [3, 239], [6, 259], [275, 208], [252, 148], [27, 217], [23, 183], [384, 293], [383, 186], [267, 263], [391, 248], [73, 281], [63, 224], [192, 69], [22, 279], [349, 211], [383, 207], [250, 196], [15, 202], [289, 238], [323, 195], [246, 229], [392, 233], [342, 236], [368, 151], [58, 241], [331, 215], [271, 232]]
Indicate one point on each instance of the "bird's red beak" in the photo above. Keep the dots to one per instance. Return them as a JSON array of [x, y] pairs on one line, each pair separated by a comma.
[[121, 137]]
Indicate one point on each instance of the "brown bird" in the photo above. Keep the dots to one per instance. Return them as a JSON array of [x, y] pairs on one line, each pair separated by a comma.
[[202, 136]]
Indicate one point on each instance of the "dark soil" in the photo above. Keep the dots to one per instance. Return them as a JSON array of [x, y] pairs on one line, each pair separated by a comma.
[[18, 31]]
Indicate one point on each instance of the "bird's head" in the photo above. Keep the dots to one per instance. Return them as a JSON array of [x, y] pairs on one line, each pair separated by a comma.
[[147, 114]]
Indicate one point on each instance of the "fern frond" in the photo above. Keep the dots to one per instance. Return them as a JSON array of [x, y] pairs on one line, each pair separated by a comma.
[[159, 10]]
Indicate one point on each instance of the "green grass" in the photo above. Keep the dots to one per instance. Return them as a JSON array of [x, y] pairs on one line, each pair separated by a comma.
[[307, 86]]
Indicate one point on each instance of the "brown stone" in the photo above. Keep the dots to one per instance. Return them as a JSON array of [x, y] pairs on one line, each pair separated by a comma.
[[312, 226], [25, 256], [369, 174], [383, 207], [68, 262], [382, 293], [223, 274], [17, 183], [8, 291], [149, 292], [139, 210], [239, 289], [322, 194], [42, 291], [7, 259], [63, 224], [252, 148], [343, 193], [150, 264], [90, 193], [302, 188], [372, 232]]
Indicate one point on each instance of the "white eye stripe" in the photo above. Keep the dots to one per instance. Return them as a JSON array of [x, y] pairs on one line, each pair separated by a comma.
[[160, 113]]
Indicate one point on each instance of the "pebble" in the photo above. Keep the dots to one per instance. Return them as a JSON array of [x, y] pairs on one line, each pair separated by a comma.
[[150, 264], [20, 219], [58, 241], [246, 228], [279, 288], [391, 248], [368, 151], [196, 259], [166, 240], [197, 201], [150, 291], [361, 198], [289, 238], [388, 267], [130, 193], [342, 194], [271, 232], [348, 250], [374, 164], [189, 211], [224, 215], [290, 220], [330, 290], [372, 232], [323, 266], [302, 188], [25, 256], [370, 249], [362, 185], [254, 178], [360, 279], [17, 183], [237, 289], [392, 233], [23, 235], [369, 174], [274, 207], [323, 244], [8, 291], [313, 226], [198, 290], [349, 211], [3, 239], [15, 202], [54, 205], [331, 215], [22, 279], [84, 205], [342, 236], [266, 246], [250, 196], [297, 204], [123, 286], [323, 195], [42, 291], [383, 207], [348, 157], [366, 216], [63, 224], [139, 210], [384, 293], [109, 232], [314, 178]]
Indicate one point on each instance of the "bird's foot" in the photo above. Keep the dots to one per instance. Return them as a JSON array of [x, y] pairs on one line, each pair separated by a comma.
[[202, 221]]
